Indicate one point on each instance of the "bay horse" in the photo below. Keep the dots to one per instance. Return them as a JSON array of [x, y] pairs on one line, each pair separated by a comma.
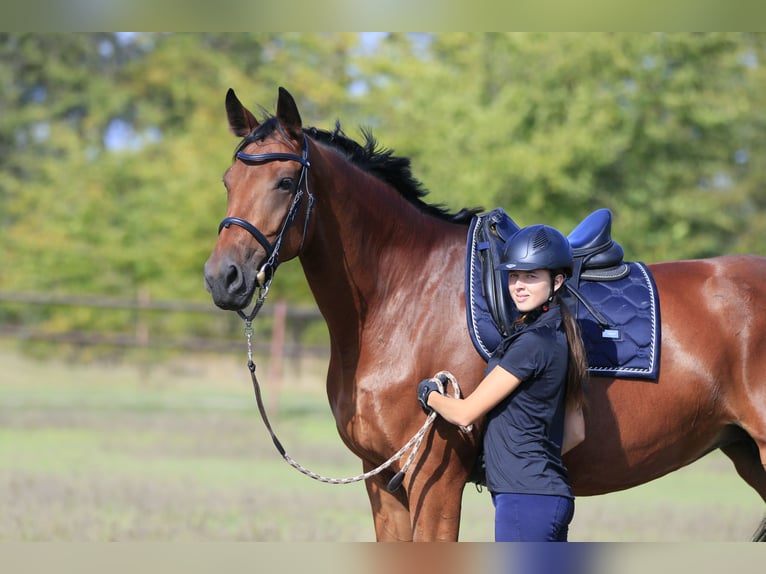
[[387, 271]]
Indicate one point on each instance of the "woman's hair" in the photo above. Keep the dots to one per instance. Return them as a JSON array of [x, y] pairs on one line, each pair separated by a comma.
[[577, 369]]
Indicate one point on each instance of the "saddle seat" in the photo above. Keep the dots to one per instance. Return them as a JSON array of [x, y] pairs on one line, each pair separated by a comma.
[[593, 246]]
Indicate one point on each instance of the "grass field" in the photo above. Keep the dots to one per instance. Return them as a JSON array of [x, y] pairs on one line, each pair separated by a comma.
[[179, 453]]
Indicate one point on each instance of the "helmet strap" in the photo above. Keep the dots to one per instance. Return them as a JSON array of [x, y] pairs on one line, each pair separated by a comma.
[[546, 305]]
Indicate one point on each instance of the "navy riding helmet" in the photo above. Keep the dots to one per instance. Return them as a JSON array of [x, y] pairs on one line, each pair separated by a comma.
[[537, 247]]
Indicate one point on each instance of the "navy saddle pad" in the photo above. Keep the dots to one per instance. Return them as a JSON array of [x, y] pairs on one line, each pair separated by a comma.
[[623, 295]]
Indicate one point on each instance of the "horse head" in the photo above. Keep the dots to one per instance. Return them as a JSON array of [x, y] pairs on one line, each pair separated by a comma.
[[269, 203]]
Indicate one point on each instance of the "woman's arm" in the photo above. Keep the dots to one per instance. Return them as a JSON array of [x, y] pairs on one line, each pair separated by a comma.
[[574, 428], [497, 385]]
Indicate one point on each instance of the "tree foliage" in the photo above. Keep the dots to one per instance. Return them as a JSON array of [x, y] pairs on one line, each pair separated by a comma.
[[112, 145]]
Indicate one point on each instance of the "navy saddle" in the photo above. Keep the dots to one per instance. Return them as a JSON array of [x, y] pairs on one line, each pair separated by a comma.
[[615, 301]]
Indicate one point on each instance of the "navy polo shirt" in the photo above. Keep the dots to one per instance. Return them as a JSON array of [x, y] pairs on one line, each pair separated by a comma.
[[524, 432]]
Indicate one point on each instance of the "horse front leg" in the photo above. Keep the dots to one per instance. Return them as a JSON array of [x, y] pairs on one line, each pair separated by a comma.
[[390, 511], [437, 512], [424, 517], [436, 495]]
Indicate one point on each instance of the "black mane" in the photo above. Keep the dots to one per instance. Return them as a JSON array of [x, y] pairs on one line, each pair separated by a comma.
[[394, 170], [377, 161]]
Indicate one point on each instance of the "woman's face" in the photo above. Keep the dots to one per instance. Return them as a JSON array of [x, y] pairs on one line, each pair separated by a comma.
[[530, 289]]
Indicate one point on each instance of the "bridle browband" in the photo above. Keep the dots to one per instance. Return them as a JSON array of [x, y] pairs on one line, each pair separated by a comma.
[[266, 272]]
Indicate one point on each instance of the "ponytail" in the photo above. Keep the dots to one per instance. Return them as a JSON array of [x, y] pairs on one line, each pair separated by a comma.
[[577, 369]]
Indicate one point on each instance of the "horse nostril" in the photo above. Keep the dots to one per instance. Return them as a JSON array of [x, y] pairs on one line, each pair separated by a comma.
[[233, 279]]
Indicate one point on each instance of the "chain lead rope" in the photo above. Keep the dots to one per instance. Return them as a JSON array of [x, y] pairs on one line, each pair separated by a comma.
[[414, 443]]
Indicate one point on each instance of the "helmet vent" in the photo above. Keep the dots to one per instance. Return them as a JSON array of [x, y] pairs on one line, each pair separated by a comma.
[[540, 240]]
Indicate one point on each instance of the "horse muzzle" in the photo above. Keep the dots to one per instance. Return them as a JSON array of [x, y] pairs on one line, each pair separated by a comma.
[[230, 283]]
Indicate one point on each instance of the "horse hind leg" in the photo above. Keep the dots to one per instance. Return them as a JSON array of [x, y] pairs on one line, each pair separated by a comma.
[[760, 532], [747, 456]]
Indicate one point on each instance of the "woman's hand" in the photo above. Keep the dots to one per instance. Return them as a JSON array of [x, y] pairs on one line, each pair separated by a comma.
[[425, 388]]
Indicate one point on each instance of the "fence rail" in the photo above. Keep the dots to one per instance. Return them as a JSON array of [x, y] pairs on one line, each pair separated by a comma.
[[279, 315]]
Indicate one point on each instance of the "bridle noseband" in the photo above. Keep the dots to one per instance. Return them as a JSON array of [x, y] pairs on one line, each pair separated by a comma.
[[266, 272]]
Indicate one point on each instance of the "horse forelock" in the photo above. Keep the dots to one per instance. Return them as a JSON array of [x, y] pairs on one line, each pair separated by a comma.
[[269, 127]]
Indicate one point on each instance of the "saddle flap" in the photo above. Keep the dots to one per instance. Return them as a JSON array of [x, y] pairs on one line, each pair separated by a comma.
[[492, 233], [501, 224]]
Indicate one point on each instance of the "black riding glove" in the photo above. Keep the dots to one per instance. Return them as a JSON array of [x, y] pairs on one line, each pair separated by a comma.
[[425, 387]]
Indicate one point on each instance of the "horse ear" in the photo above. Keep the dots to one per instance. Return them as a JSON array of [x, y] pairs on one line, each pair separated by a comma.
[[287, 112], [241, 121]]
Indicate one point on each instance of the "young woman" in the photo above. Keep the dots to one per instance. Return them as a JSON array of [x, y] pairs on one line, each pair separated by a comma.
[[534, 376]]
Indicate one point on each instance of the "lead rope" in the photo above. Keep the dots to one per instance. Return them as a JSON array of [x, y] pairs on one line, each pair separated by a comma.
[[414, 443]]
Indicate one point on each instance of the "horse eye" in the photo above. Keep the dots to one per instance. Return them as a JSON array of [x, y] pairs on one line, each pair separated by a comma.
[[285, 184]]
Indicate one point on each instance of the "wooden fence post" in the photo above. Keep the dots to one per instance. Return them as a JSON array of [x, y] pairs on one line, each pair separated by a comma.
[[278, 329], [143, 302]]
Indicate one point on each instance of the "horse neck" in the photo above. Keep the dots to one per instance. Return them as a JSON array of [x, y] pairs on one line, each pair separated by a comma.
[[368, 243]]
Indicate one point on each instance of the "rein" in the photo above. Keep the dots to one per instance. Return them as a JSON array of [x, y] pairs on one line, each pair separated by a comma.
[[441, 378]]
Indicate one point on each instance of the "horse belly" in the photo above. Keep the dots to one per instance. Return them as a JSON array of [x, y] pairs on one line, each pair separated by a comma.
[[637, 431]]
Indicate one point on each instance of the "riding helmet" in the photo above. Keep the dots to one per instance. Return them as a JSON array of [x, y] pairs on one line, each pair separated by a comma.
[[537, 247]]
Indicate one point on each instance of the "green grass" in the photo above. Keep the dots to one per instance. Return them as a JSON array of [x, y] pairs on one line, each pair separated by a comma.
[[179, 453]]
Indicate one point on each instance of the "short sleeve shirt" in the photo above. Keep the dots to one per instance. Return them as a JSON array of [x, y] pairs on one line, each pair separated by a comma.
[[524, 432]]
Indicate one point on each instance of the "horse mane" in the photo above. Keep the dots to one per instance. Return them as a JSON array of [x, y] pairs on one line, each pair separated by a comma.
[[378, 161], [384, 165]]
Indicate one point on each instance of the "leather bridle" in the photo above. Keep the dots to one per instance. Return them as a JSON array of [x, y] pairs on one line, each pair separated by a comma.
[[266, 272]]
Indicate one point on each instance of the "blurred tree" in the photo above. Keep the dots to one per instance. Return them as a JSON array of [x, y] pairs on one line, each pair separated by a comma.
[[660, 128], [115, 146], [112, 145]]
